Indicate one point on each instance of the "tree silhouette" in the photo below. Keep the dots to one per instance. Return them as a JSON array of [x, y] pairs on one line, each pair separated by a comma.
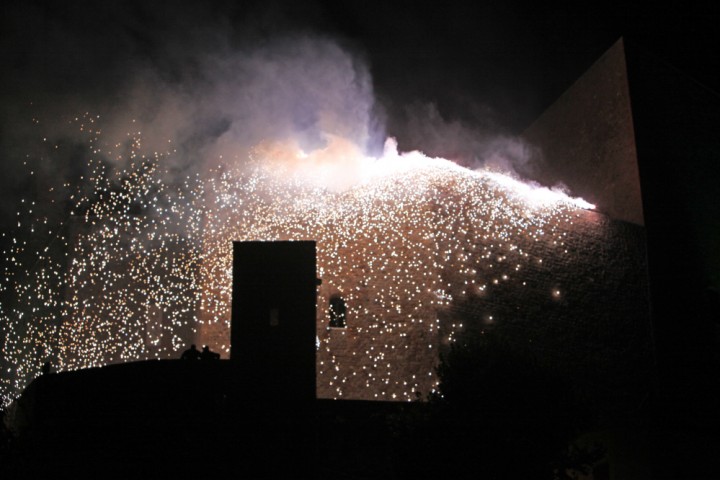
[[499, 413]]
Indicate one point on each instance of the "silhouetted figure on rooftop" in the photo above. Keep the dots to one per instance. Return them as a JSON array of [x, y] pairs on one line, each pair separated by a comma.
[[46, 368], [191, 354], [207, 354]]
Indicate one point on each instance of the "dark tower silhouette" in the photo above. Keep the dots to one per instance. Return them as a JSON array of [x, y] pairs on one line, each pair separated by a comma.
[[273, 318], [273, 352]]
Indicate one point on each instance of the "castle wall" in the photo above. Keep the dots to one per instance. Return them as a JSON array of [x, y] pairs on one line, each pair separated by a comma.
[[587, 140], [462, 254]]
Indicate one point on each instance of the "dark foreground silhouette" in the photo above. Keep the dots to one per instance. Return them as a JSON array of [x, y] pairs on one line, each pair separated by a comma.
[[501, 415], [159, 419]]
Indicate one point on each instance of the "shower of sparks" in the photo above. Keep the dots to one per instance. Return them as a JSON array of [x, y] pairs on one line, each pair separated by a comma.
[[136, 267]]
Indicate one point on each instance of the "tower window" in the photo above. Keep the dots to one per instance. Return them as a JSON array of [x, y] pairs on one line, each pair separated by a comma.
[[337, 312]]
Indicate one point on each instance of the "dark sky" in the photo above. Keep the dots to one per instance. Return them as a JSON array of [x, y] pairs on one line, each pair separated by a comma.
[[485, 61], [473, 68]]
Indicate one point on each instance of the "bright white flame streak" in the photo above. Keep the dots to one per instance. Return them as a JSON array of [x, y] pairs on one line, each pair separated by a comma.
[[536, 194], [399, 244]]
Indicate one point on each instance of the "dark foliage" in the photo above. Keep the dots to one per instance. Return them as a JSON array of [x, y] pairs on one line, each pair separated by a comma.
[[499, 414]]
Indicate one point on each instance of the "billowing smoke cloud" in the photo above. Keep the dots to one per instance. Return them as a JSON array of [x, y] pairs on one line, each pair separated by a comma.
[[298, 88], [205, 84], [189, 82], [473, 145]]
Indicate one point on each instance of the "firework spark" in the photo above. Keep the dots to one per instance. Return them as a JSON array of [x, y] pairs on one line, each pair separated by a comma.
[[136, 266]]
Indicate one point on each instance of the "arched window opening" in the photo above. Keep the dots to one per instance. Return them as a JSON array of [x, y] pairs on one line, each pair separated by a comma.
[[337, 312]]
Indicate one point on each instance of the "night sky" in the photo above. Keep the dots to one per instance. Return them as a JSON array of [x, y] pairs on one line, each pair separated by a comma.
[[498, 64], [448, 80]]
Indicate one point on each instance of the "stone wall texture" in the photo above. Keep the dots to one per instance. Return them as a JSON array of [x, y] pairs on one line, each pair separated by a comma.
[[463, 253], [587, 140]]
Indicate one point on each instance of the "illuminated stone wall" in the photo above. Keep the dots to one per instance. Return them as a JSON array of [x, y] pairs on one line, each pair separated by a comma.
[[462, 253], [575, 296], [587, 140], [583, 311], [388, 348], [418, 259]]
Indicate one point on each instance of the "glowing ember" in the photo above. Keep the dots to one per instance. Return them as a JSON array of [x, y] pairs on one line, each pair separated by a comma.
[[141, 266]]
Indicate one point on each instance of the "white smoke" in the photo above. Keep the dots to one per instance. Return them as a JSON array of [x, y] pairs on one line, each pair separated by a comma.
[[480, 145], [201, 91], [300, 88]]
